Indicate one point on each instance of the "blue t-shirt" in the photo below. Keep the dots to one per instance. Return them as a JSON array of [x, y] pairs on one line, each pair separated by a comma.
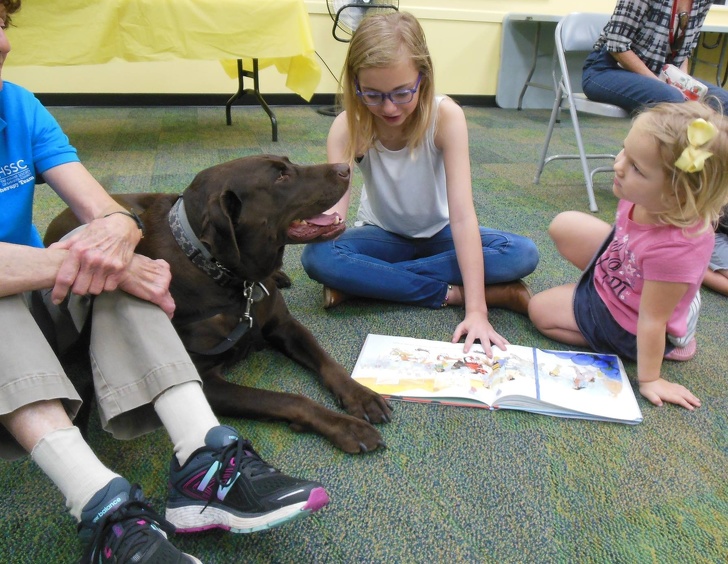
[[31, 142]]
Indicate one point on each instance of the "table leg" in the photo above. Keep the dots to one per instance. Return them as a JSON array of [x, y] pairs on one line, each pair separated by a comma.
[[242, 74], [526, 84], [722, 67]]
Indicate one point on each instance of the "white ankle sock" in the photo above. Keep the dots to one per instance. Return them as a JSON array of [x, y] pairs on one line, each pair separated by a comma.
[[69, 462], [187, 416]]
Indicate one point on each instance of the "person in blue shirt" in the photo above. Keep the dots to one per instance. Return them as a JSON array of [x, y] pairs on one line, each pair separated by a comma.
[[143, 376]]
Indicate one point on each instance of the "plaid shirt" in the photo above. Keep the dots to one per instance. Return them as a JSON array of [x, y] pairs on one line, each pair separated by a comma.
[[644, 28]]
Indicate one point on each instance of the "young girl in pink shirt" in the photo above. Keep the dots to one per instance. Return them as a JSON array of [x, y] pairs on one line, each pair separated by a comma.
[[639, 293]]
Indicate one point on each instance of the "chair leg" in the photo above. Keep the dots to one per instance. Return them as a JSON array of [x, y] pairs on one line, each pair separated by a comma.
[[549, 133], [582, 157]]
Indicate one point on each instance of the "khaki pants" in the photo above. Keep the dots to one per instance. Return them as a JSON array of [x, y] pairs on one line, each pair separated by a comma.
[[134, 350]]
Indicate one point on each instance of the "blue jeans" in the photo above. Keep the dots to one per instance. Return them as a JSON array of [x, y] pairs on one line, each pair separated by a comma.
[[603, 80], [370, 262]]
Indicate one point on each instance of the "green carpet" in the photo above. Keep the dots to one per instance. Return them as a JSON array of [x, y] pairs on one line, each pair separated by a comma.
[[454, 484]]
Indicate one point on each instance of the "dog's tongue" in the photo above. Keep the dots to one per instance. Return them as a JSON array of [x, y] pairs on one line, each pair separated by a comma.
[[323, 219], [319, 227]]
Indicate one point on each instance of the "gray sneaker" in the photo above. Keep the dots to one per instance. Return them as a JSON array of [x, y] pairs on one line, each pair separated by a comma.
[[226, 485], [120, 527]]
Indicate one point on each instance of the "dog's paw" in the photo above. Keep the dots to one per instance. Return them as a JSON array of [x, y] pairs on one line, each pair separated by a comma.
[[352, 435], [281, 279], [363, 403], [356, 436]]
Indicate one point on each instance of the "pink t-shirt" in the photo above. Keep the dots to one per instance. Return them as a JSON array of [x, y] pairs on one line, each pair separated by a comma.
[[641, 252]]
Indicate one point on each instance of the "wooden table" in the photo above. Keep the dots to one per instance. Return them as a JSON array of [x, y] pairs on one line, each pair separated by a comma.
[[245, 35]]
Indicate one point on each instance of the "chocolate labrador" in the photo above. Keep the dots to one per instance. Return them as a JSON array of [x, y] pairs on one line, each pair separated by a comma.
[[224, 240]]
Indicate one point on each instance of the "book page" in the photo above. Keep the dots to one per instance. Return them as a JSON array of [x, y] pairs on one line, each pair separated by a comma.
[[590, 383], [417, 368], [560, 383]]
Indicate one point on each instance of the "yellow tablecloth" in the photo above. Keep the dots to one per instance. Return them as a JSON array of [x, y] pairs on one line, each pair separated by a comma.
[[84, 32]]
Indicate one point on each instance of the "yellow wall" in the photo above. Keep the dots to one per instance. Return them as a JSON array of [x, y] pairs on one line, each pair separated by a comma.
[[464, 41]]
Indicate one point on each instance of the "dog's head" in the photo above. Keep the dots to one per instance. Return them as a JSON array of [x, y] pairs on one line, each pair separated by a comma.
[[245, 211]]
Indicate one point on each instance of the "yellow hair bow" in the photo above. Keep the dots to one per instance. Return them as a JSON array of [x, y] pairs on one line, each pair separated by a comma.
[[693, 157]]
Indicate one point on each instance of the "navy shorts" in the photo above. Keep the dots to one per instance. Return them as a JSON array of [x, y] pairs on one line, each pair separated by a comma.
[[595, 321]]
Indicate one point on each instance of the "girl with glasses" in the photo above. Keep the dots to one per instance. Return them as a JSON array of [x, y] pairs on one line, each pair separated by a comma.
[[639, 39], [416, 237]]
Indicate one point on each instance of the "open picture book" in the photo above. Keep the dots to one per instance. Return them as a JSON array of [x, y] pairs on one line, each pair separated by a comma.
[[558, 383]]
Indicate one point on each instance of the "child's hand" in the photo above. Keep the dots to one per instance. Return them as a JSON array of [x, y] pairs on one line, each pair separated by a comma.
[[661, 390], [476, 326]]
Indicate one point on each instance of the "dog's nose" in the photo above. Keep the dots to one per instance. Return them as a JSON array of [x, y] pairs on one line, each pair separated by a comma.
[[342, 169]]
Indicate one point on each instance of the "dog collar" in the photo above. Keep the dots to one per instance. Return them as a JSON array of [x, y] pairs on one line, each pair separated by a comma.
[[251, 294], [201, 257], [194, 249]]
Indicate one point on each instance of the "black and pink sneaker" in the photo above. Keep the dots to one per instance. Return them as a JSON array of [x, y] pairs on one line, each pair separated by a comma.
[[120, 527], [226, 485]]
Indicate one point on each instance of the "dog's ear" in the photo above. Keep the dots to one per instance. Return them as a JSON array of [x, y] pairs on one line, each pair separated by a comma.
[[218, 230]]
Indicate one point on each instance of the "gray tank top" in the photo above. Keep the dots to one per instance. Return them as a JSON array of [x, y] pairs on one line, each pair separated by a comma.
[[404, 191]]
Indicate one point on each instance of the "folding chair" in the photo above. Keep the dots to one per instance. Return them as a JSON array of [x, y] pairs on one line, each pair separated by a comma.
[[577, 33]]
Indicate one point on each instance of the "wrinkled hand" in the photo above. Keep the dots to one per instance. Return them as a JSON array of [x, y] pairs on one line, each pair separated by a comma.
[[149, 280], [476, 326], [97, 255], [660, 390]]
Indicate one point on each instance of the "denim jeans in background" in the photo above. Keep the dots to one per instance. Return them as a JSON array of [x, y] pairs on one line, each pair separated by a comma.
[[370, 262], [603, 80]]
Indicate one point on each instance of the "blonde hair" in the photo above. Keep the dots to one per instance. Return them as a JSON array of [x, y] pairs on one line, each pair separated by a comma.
[[380, 41], [695, 197]]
